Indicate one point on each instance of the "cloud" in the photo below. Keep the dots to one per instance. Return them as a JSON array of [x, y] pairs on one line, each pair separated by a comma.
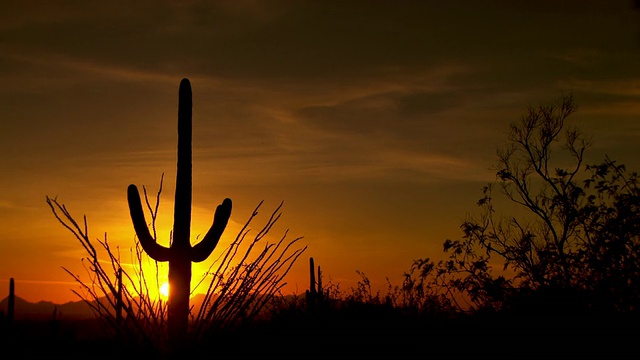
[[42, 282], [6, 204], [626, 88]]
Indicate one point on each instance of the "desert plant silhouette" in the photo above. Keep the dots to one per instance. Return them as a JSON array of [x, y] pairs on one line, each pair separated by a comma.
[[429, 304], [180, 254], [245, 280], [315, 295], [575, 245], [121, 294], [11, 303]]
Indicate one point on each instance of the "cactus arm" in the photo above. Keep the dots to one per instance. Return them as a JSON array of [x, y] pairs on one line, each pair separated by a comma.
[[205, 247], [148, 243]]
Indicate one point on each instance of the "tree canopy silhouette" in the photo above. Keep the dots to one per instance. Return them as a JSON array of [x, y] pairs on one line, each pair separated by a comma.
[[568, 237]]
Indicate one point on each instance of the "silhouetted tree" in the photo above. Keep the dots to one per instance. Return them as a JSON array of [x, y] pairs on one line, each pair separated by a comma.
[[576, 244]]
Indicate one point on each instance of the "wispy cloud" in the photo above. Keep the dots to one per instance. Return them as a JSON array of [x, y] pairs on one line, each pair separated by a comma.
[[41, 282], [86, 67], [6, 204]]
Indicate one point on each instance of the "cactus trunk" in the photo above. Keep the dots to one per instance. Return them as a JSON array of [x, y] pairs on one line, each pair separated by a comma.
[[180, 265], [320, 290], [179, 291], [180, 254], [12, 301], [312, 278]]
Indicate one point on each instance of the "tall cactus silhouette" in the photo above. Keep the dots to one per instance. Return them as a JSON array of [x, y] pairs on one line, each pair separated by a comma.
[[12, 301], [180, 253], [313, 290], [315, 294]]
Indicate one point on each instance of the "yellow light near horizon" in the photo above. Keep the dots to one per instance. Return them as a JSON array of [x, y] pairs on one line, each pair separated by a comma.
[[164, 290]]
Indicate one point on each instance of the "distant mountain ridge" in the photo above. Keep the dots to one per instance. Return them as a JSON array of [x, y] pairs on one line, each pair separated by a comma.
[[72, 310], [44, 309]]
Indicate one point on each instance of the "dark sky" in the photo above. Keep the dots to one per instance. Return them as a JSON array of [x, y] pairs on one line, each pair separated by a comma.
[[376, 122]]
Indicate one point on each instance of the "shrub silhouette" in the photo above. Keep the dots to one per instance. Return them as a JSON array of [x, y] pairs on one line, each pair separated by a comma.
[[576, 245]]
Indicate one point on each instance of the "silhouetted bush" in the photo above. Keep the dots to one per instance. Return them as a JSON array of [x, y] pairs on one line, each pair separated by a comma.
[[574, 248], [241, 283]]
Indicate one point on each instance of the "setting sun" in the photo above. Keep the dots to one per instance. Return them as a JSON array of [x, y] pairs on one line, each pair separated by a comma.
[[164, 290]]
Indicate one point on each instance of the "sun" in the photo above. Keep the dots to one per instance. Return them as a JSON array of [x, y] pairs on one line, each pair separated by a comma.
[[164, 290]]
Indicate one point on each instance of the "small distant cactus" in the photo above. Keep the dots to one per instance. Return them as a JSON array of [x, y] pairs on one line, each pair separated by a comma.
[[315, 295], [180, 254], [12, 301], [55, 322]]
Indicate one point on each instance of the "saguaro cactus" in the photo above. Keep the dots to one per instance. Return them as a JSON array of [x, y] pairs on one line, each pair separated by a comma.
[[180, 253], [315, 294], [312, 278], [12, 301]]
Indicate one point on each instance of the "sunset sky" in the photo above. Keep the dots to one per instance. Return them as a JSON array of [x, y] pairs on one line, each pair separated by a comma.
[[376, 122]]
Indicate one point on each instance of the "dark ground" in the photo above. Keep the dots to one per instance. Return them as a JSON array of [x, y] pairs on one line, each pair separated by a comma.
[[354, 336]]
